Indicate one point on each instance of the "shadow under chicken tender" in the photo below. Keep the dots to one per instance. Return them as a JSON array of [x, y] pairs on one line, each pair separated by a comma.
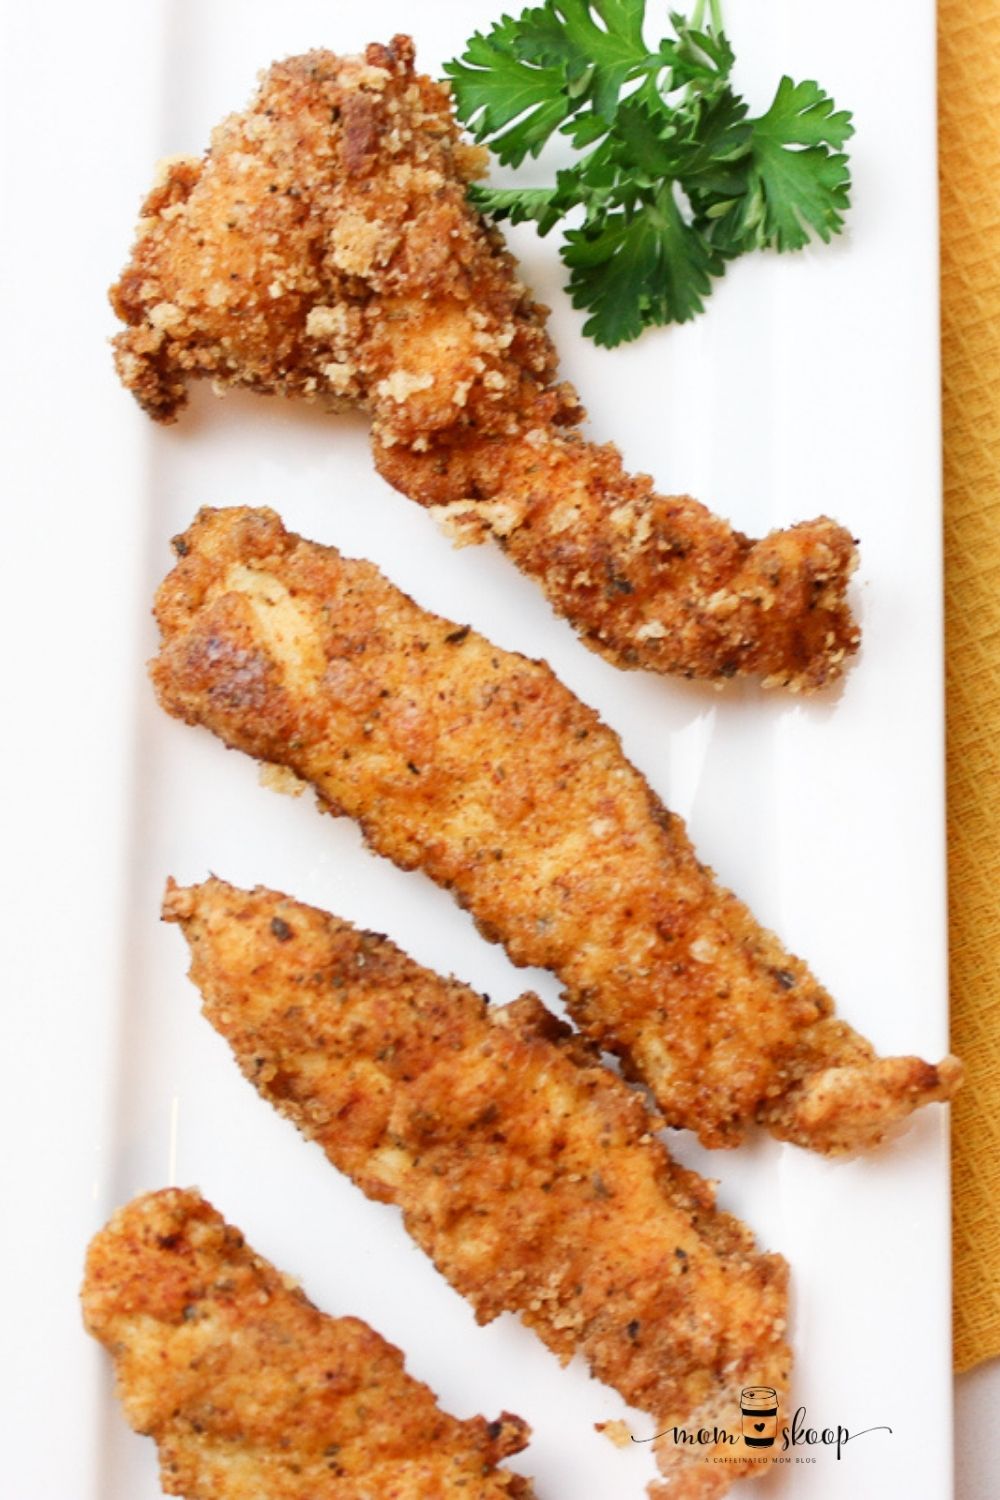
[[525, 1169], [249, 1390], [477, 766], [324, 248]]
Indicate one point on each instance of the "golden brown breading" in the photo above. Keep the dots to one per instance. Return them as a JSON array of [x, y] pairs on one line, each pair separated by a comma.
[[478, 767], [324, 248], [249, 1391], [525, 1169]]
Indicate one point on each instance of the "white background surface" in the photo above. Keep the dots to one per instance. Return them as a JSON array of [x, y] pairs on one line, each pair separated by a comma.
[[811, 386], [977, 1406]]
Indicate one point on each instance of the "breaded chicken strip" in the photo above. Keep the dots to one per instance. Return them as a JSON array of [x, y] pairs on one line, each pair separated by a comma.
[[249, 1391], [478, 767], [525, 1169], [324, 248]]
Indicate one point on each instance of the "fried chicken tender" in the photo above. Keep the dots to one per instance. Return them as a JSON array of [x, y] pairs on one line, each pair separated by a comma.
[[250, 1391], [324, 248], [477, 766], [525, 1169]]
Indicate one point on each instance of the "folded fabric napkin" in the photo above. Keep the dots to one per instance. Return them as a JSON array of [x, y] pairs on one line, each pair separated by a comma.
[[969, 125]]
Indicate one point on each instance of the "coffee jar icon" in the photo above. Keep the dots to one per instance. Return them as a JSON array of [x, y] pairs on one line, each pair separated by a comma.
[[759, 1409]]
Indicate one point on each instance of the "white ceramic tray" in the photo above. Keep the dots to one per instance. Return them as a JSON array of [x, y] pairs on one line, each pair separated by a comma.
[[811, 386]]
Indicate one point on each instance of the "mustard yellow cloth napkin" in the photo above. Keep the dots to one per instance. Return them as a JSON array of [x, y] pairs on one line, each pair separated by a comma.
[[969, 125]]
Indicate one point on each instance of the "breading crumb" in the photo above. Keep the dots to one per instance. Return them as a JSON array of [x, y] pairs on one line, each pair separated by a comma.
[[280, 779]]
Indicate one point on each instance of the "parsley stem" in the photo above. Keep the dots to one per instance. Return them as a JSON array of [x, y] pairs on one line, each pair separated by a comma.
[[698, 15]]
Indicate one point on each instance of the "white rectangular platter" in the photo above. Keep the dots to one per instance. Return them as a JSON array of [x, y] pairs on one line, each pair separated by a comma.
[[811, 386]]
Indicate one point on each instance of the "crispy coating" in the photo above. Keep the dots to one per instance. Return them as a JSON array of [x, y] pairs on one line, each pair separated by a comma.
[[525, 1169], [250, 1391], [324, 248], [477, 766]]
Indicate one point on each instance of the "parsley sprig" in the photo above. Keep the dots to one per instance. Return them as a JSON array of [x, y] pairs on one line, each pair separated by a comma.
[[673, 177]]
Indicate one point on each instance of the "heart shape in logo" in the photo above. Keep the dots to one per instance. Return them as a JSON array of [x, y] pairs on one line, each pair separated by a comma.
[[758, 1427]]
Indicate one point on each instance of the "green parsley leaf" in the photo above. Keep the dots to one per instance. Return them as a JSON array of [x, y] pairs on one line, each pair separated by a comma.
[[493, 86], [697, 146], [786, 190], [613, 276], [632, 270], [542, 68], [598, 42], [518, 204], [672, 177], [803, 115]]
